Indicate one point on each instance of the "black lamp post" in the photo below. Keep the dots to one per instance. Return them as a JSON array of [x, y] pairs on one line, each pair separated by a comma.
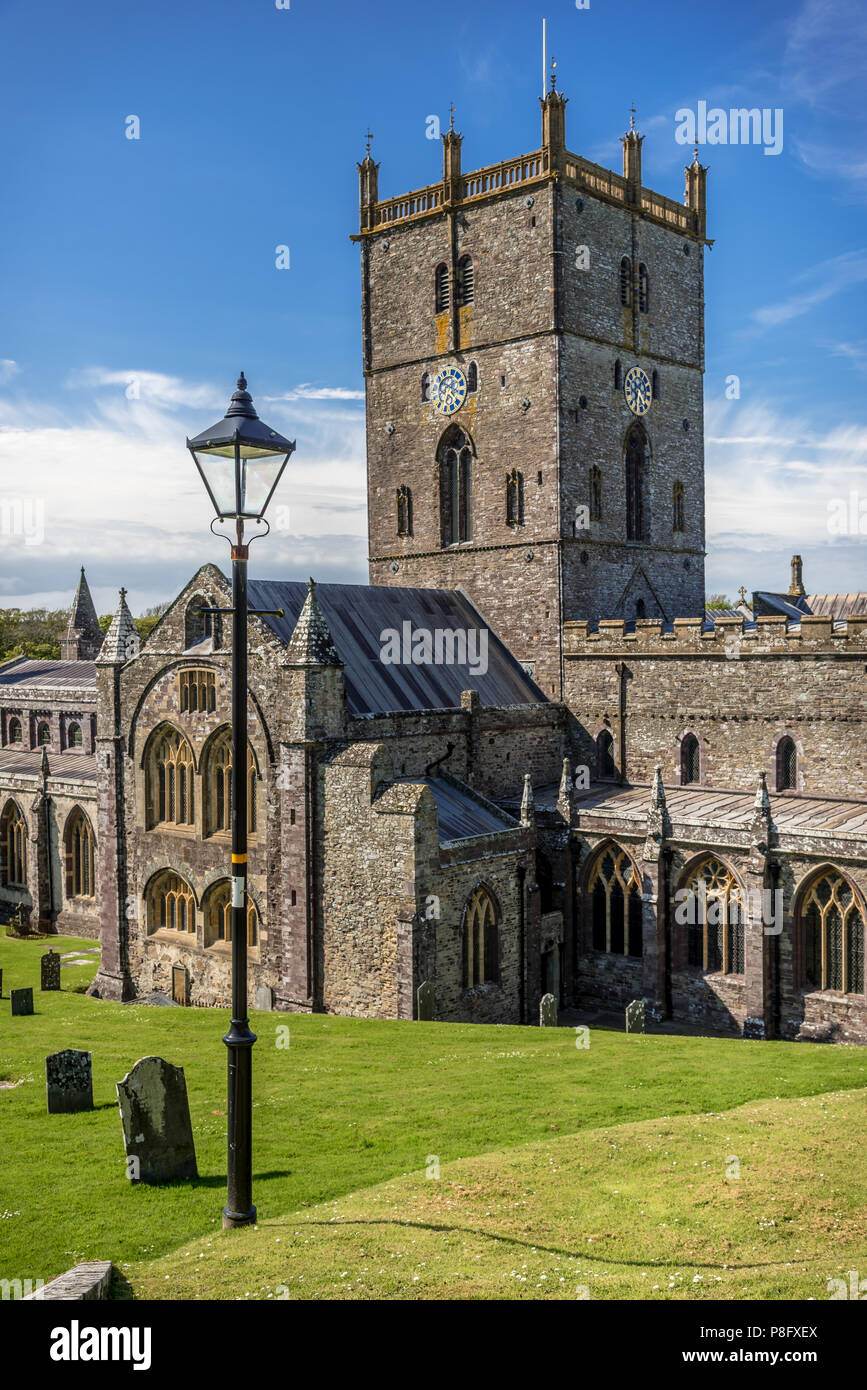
[[241, 462]]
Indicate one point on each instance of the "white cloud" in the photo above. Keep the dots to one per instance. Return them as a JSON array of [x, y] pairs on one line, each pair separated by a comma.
[[829, 278], [8, 369], [306, 392], [826, 51]]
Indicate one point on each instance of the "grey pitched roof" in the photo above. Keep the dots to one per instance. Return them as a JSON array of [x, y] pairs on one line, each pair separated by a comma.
[[461, 812], [71, 767], [64, 675], [357, 615], [839, 607]]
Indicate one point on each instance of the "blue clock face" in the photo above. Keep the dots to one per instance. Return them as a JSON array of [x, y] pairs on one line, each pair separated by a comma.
[[449, 390], [638, 391]]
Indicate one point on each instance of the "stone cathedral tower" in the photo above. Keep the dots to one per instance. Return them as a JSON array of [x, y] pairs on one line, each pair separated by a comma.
[[533, 338]]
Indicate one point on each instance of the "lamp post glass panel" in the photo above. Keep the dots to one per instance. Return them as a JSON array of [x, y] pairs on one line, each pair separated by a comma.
[[241, 461]]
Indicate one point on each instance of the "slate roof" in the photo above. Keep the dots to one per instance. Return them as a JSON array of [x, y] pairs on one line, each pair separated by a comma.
[[461, 812], [356, 615], [836, 606], [797, 814], [60, 674], [78, 767]]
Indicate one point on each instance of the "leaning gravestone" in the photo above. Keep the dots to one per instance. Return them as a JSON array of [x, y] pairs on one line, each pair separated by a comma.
[[155, 1113], [635, 1016], [51, 971], [69, 1082], [548, 1011], [22, 1001], [426, 1002]]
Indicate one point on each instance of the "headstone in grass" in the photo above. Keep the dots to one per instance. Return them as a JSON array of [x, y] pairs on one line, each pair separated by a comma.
[[69, 1082], [548, 1011], [50, 971], [22, 1001], [155, 1113], [426, 1002], [635, 1016], [264, 997]]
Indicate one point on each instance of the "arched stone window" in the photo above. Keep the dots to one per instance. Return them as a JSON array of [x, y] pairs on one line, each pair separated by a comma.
[[626, 282], [455, 457], [441, 288], [643, 289], [169, 780], [635, 470], [640, 608], [710, 910], [43, 734], [202, 627], [404, 510], [618, 375], [481, 940], [595, 493], [15, 735], [690, 760], [425, 386], [13, 841], [170, 904], [73, 736], [197, 690], [514, 498], [678, 521], [832, 923], [217, 785], [218, 916], [787, 765], [80, 855], [605, 768], [466, 281], [472, 378], [614, 893]]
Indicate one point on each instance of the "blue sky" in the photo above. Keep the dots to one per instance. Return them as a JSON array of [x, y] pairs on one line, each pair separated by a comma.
[[138, 276]]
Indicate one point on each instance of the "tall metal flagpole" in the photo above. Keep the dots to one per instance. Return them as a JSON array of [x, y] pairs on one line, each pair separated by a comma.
[[544, 56]]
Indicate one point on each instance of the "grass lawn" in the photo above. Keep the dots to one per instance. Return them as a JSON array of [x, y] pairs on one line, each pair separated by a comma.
[[349, 1113]]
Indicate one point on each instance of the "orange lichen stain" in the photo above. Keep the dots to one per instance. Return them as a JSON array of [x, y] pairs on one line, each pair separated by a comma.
[[442, 327], [465, 325]]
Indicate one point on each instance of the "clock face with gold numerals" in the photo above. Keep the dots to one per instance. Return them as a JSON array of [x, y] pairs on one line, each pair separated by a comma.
[[448, 390], [638, 391]]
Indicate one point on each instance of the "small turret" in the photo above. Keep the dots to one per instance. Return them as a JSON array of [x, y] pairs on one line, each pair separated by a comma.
[[554, 125], [368, 187], [452, 141], [122, 641], [528, 803], [632, 143], [695, 196], [83, 637], [796, 588]]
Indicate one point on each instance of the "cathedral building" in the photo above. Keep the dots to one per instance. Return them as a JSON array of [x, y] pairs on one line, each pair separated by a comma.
[[524, 759]]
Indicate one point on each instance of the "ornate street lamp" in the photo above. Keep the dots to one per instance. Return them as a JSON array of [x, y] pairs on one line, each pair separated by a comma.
[[241, 461]]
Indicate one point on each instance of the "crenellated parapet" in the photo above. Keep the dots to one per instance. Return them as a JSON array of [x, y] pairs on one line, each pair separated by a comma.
[[729, 637]]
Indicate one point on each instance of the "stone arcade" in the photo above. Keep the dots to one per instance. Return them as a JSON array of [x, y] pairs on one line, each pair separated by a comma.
[[600, 810]]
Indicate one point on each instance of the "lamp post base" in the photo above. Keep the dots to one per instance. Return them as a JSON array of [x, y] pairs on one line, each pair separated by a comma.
[[233, 1219]]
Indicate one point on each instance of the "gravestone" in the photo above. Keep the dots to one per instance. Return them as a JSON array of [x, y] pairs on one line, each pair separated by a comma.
[[51, 971], [635, 1016], [264, 997], [22, 1001], [426, 1002], [548, 1011], [69, 1082], [155, 1114]]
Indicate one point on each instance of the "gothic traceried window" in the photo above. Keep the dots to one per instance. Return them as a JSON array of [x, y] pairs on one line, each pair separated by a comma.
[[217, 786], [643, 289], [711, 913], [626, 282], [80, 856], [678, 521], [690, 760], [198, 691], [201, 626], [218, 916], [635, 470], [787, 765], [456, 487], [404, 510], [466, 281], [441, 288], [615, 898], [13, 831], [169, 781], [481, 944], [15, 735], [472, 378], [595, 493], [170, 904], [514, 498], [833, 926]]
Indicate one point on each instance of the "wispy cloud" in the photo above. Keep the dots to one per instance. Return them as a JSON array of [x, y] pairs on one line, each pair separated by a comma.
[[826, 51], [828, 279], [8, 369], [306, 392]]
